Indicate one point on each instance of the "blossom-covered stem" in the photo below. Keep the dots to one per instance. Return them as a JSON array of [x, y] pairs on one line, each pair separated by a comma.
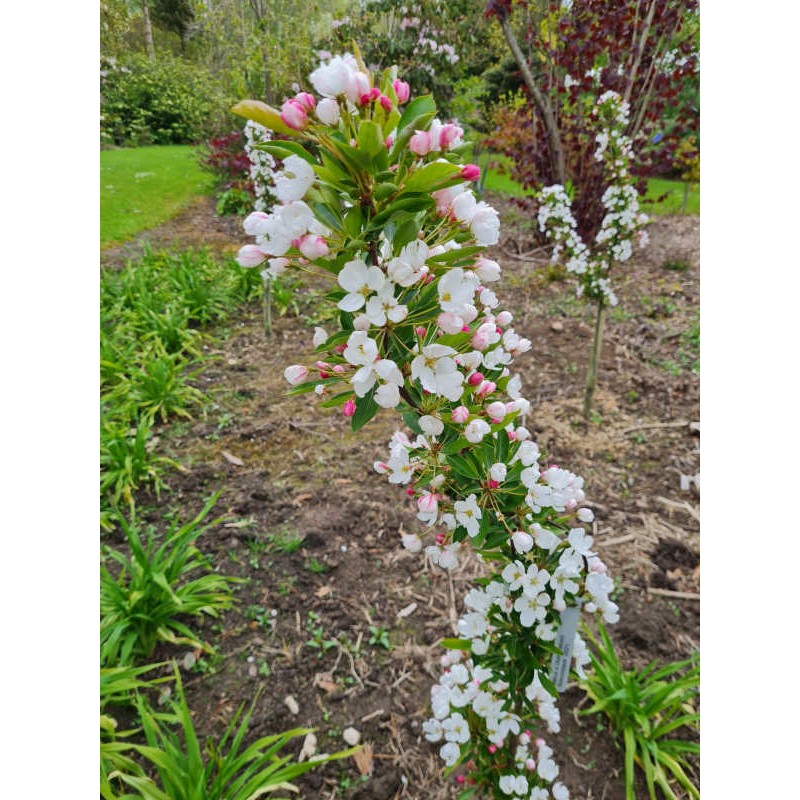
[[420, 331], [594, 359]]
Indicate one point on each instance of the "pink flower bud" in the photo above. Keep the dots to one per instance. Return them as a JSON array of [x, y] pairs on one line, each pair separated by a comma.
[[485, 335], [504, 318], [295, 374], [487, 387], [450, 323], [386, 103], [492, 749], [470, 172], [338, 367], [402, 90], [412, 542], [440, 538], [388, 142], [349, 408], [374, 93], [450, 136], [364, 99], [460, 414], [250, 255], [460, 779], [596, 565], [540, 742], [308, 101], [427, 503], [421, 331], [410, 492], [530, 765], [475, 379], [328, 111], [488, 271], [420, 143], [492, 484], [357, 86], [496, 411], [313, 247], [340, 348], [294, 115]]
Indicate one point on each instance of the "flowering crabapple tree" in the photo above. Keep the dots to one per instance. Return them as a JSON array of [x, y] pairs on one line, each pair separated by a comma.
[[604, 76], [621, 224], [376, 201]]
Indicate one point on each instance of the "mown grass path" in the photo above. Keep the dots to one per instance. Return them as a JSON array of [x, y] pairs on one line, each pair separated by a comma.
[[145, 186]]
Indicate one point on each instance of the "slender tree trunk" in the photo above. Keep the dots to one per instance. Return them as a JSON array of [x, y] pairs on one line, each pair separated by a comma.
[[268, 307], [639, 50], [541, 102], [594, 360], [148, 31]]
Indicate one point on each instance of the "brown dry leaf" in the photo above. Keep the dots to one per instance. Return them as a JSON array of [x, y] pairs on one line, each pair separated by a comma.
[[323, 591], [301, 498], [363, 759], [232, 459], [327, 686]]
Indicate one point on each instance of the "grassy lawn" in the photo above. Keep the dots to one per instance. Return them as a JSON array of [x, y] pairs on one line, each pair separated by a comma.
[[498, 180], [145, 186]]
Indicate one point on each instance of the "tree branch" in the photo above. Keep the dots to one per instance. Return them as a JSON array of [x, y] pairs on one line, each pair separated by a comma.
[[541, 102]]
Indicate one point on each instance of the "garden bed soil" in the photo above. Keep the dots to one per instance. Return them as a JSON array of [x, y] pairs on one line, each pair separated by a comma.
[[347, 624]]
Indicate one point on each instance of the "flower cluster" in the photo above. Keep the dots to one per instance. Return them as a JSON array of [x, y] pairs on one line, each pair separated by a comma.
[[622, 221], [262, 165], [386, 214]]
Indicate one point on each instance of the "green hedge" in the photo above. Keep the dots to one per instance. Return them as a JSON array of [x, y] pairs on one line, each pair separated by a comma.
[[166, 101]]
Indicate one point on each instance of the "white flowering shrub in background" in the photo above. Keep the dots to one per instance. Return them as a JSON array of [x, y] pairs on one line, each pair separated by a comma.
[[621, 225], [381, 207], [262, 165]]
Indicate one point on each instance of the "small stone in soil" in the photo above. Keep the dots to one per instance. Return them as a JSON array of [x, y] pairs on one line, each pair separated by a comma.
[[351, 736], [291, 704], [309, 747], [557, 326]]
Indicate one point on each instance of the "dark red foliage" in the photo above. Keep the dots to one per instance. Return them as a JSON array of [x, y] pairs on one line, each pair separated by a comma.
[[662, 102], [226, 157]]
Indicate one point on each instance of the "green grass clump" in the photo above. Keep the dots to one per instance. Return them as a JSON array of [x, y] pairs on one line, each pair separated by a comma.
[[646, 708], [156, 587], [151, 352], [145, 186]]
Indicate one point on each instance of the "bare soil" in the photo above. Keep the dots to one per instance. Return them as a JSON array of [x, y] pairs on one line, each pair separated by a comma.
[[348, 623]]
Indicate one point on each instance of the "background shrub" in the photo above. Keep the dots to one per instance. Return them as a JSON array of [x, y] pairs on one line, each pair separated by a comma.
[[167, 101]]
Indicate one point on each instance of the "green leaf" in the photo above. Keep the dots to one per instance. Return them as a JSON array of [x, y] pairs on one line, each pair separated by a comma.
[[324, 213], [366, 409], [354, 221], [406, 232], [282, 149], [456, 644], [370, 139], [411, 419], [265, 115], [431, 177], [384, 190]]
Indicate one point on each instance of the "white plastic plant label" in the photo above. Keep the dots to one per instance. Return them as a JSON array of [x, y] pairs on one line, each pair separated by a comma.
[[565, 638]]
